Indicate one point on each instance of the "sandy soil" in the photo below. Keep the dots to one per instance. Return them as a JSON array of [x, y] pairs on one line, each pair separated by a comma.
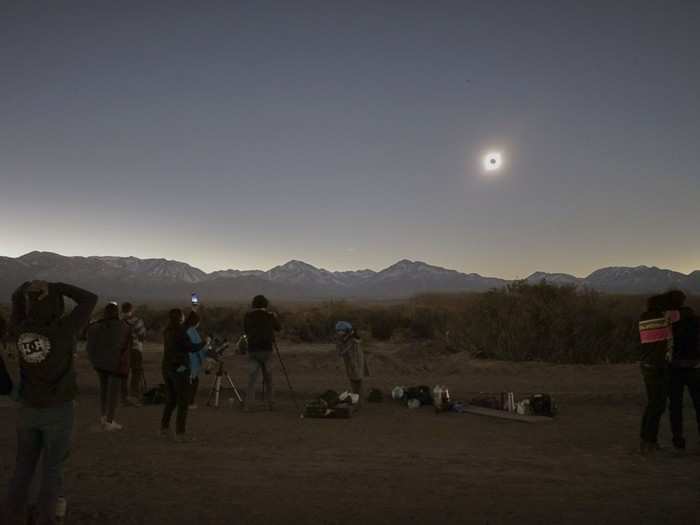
[[388, 464]]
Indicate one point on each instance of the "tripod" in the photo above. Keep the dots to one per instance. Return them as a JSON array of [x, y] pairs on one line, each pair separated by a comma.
[[215, 392], [286, 375]]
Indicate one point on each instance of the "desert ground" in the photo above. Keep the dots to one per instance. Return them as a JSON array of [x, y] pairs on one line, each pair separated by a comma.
[[388, 464]]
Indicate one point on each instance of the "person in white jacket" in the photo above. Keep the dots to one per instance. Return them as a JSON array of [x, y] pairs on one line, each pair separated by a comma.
[[348, 344]]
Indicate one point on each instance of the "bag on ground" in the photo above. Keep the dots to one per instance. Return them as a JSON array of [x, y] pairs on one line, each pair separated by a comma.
[[155, 396]]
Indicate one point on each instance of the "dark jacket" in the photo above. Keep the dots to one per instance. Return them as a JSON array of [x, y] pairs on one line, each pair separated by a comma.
[[686, 352], [108, 346], [3, 329], [176, 349], [260, 326], [46, 347]]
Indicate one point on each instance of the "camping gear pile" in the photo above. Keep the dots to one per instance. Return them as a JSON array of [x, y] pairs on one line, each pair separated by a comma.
[[534, 405], [331, 405], [422, 395]]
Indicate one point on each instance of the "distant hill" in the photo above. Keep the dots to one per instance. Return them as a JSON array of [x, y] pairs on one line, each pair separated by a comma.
[[123, 278]]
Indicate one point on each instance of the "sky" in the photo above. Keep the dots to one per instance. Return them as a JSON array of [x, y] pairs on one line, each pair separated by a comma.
[[242, 134]]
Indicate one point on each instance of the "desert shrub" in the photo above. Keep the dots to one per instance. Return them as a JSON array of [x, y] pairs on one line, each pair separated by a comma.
[[519, 322], [383, 323]]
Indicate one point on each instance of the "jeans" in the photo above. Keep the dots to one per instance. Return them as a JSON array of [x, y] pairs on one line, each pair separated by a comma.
[[177, 386], [656, 383], [110, 385], [258, 361], [136, 374], [47, 431], [194, 387], [680, 378]]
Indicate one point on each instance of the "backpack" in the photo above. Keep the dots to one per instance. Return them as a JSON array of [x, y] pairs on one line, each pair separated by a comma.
[[330, 397], [375, 396], [155, 396], [542, 405], [422, 393]]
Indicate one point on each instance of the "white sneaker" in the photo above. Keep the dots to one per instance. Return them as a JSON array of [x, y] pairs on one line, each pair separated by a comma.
[[61, 507], [113, 427]]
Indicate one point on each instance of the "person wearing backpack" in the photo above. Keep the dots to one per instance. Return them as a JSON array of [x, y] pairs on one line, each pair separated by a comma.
[[46, 343], [684, 366], [108, 347]]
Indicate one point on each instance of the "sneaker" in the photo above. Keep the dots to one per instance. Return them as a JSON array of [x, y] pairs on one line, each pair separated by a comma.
[[184, 438], [679, 443], [103, 420], [193, 406], [113, 427], [61, 508], [164, 433]]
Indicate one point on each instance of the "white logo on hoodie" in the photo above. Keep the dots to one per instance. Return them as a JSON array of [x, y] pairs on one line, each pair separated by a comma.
[[34, 348]]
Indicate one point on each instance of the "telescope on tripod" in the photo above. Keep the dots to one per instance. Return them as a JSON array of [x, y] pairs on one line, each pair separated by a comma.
[[222, 382]]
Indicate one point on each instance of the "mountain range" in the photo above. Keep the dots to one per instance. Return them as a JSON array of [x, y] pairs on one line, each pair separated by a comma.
[[122, 278]]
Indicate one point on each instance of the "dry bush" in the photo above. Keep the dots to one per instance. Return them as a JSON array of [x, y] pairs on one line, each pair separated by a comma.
[[520, 322]]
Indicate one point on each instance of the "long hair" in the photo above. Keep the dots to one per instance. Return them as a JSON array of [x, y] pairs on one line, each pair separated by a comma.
[[192, 319], [174, 319]]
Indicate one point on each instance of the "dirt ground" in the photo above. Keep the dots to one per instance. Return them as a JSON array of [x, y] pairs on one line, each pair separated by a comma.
[[388, 464]]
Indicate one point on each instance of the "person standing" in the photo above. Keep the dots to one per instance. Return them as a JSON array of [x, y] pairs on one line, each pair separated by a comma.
[[3, 330], [132, 392], [46, 343], [197, 355], [176, 375], [259, 326], [656, 347], [348, 345], [6, 383], [685, 366], [108, 347]]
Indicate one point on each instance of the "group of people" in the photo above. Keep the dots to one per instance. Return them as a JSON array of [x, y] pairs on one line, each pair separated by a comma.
[[670, 363], [46, 340]]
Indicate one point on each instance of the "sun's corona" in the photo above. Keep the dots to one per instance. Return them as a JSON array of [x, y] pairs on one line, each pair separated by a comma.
[[493, 161]]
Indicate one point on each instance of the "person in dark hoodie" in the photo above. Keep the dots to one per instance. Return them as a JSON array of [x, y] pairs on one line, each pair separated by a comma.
[[656, 338], [108, 347], [685, 366], [3, 330], [259, 326], [177, 348], [46, 342], [5, 379]]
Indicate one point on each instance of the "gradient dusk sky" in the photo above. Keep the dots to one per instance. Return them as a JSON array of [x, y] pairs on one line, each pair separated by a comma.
[[350, 134]]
